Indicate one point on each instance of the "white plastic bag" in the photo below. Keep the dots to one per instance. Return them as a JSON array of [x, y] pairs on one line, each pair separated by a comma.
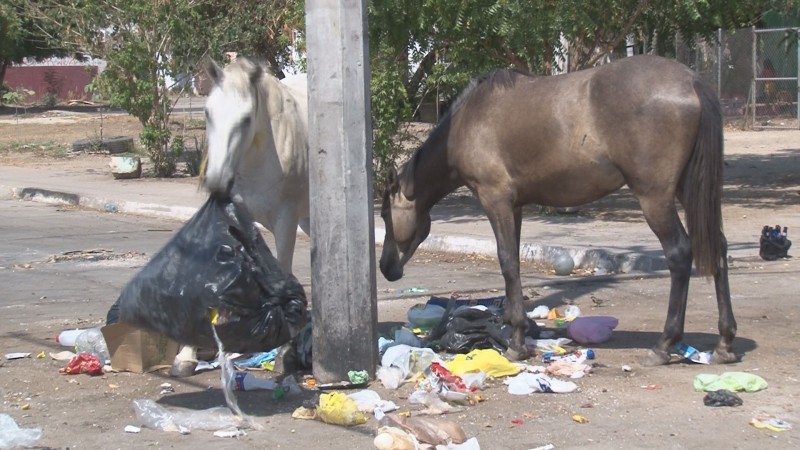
[[400, 361], [12, 436]]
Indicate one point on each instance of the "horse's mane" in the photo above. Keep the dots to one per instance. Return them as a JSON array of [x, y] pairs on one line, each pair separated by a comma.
[[237, 74], [496, 79]]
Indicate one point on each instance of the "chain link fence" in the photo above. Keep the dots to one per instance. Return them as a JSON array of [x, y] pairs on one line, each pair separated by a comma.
[[755, 72]]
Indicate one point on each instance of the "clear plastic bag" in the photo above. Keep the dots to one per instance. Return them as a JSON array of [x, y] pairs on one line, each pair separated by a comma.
[[155, 416], [92, 341], [12, 436]]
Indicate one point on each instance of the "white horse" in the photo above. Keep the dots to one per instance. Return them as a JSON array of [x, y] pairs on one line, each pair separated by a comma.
[[257, 134]]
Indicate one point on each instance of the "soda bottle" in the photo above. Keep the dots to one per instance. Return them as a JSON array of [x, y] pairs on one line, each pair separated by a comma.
[[246, 381], [67, 337]]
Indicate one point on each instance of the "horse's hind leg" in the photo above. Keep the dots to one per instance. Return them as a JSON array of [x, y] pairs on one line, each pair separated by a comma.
[[662, 216], [727, 323]]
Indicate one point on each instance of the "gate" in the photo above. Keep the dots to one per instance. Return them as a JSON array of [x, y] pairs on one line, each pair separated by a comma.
[[775, 89]]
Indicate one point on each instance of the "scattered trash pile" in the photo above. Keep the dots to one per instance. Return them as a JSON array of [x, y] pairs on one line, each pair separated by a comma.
[[449, 352]]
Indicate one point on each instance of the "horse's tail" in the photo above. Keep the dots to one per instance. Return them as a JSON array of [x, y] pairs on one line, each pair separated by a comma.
[[702, 188]]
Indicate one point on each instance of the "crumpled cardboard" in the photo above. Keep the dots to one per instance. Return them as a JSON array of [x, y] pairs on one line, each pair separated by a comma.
[[137, 350]]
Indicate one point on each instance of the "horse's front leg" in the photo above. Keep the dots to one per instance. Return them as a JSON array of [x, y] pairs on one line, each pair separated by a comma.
[[185, 362], [506, 222], [285, 232]]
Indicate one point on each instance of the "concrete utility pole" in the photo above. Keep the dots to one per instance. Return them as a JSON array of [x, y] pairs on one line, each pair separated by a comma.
[[343, 289]]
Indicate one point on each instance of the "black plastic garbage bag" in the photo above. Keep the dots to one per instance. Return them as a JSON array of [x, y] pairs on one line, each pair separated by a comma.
[[722, 397], [465, 328], [772, 249], [218, 259]]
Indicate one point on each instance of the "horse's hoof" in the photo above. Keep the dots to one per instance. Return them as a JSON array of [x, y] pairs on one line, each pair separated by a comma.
[[724, 357], [655, 358], [182, 369], [517, 355]]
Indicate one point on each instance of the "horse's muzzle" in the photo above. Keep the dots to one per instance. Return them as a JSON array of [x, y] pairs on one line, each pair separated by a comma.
[[392, 272], [220, 186]]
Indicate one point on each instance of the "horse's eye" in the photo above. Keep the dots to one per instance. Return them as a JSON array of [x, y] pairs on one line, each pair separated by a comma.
[[246, 122]]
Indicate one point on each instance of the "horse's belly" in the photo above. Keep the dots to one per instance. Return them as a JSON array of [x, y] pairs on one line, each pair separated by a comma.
[[569, 185]]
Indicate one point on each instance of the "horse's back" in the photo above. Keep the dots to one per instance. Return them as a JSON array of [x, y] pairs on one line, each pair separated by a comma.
[[570, 139]]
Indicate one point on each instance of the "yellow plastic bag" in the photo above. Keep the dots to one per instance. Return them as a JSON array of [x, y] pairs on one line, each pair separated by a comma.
[[488, 360], [337, 408]]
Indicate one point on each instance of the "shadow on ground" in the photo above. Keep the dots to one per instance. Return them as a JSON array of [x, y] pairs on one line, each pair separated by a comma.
[[750, 181]]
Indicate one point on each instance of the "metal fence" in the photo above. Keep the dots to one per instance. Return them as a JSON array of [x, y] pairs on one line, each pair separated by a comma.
[[755, 72]]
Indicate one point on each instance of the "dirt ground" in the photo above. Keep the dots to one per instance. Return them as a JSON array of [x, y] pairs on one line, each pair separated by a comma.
[[640, 408]]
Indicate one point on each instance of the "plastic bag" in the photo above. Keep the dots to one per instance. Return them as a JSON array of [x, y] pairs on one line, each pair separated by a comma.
[[488, 361], [592, 329], [155, 416], [466, 328], [337, 408], [410, 360], [12, 436], [772, 249], [92, 341], [722, 397], [217, 260], [83, 363], [732, 381]]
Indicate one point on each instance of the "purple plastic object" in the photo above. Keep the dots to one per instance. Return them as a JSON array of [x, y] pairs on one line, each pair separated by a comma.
[[591, 329]]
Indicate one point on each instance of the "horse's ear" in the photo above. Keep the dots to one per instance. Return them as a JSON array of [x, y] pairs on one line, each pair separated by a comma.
[[214, 71]]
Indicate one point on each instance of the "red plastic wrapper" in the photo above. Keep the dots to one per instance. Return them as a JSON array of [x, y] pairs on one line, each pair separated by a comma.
[[450, 380], [83, 363]]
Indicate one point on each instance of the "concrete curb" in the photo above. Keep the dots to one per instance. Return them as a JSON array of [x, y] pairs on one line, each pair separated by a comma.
[[599, 261]]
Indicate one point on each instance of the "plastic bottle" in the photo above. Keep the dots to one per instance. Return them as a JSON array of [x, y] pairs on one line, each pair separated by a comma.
[[92, 341], [246, 381], [578, 356], [67, 337]]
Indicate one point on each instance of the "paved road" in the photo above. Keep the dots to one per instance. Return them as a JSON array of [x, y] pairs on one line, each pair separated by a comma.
[[99, 252], [40, 297]]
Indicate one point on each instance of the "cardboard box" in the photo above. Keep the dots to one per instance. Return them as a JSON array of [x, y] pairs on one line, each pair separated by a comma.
[[136, 350]]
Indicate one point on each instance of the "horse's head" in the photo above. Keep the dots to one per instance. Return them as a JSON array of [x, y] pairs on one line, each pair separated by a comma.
[[406, 226], [231, 120]]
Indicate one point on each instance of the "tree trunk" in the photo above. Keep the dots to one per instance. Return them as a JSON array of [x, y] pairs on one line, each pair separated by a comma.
[[3, 66]]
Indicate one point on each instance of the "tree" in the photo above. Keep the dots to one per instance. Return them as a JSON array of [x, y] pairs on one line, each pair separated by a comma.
[[268, 30], [146, 42], [20, 37], [432, 48]]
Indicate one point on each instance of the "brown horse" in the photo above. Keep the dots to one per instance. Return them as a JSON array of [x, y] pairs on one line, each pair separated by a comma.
[[566, 140]]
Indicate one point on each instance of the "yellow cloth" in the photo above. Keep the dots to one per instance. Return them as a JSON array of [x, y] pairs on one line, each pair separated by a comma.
[[489, 361]]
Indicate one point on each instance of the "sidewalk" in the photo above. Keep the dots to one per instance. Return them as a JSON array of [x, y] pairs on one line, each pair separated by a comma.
[[459, 224]]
